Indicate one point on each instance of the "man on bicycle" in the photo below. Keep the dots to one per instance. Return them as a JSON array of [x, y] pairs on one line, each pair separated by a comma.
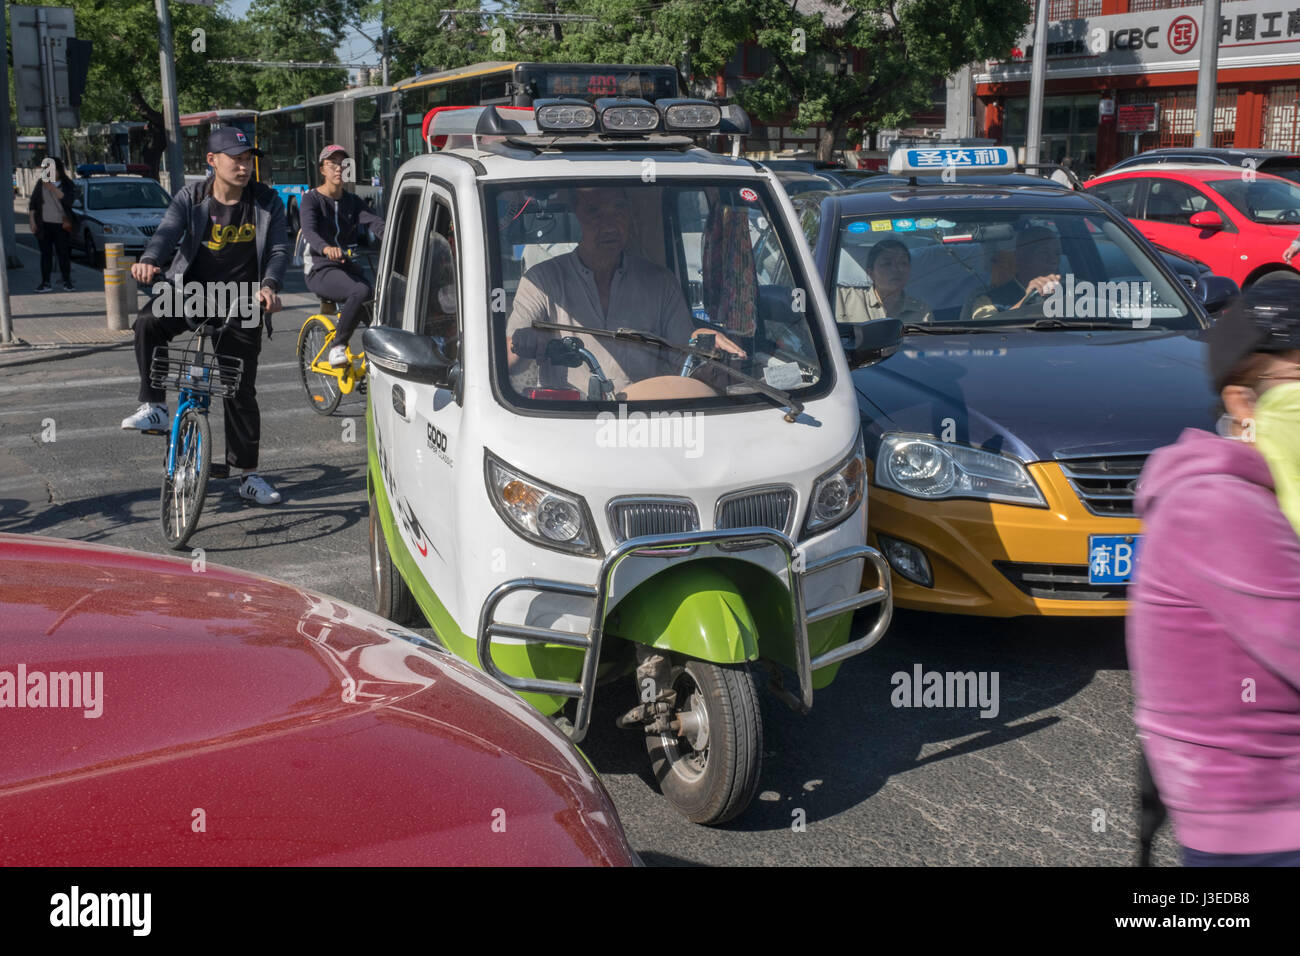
[[330, 218], [225, 229]]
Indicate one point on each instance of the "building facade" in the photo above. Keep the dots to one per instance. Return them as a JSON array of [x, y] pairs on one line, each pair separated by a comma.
[[1106, 57]]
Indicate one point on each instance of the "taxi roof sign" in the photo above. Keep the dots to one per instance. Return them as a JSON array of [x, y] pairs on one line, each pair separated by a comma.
[[969, 159]]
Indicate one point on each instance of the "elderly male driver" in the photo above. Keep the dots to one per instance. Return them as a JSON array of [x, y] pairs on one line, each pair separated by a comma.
[[601, 286], [1038, 259]]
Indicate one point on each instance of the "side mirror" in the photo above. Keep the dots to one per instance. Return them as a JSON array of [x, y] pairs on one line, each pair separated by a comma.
[[415, 358], [1216, 291], [1206, 219], [866, 343]]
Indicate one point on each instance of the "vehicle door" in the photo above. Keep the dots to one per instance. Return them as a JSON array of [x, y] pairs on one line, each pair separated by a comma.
[[432, 450], [1166, 220], [392, 398]]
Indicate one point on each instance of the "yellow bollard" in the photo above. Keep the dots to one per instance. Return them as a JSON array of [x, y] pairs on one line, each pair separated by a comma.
[[114, 303], [112, 252]]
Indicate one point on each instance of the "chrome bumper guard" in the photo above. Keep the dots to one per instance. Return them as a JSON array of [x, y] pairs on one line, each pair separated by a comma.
[[740, 538]]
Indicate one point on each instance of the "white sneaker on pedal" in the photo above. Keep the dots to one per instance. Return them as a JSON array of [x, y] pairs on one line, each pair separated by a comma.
[[150, 416], [339, 356], [254, 488]]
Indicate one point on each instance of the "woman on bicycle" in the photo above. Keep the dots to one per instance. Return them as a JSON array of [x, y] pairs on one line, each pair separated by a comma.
[[330, 218]]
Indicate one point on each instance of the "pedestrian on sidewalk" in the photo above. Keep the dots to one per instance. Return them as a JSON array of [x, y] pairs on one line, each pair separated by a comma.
[[1214, 619], [51, 219], [228, 230]]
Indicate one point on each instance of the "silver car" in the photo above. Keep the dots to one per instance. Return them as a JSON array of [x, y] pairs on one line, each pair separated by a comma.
[[125, 209]]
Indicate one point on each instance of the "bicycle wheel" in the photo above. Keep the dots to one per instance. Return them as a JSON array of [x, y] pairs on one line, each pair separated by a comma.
[[182, 494], [322, 388]]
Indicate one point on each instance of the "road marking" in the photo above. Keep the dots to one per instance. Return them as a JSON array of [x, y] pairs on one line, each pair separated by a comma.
[[45, 410]]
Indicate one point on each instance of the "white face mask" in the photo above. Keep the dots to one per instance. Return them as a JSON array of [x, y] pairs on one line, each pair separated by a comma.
[[1223, 427]]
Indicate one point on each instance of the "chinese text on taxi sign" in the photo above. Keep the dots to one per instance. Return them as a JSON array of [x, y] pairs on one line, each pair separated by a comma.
[[960, 158]]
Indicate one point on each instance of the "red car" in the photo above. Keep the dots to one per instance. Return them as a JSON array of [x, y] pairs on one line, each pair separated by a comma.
[[157, 714], [1236, 220]]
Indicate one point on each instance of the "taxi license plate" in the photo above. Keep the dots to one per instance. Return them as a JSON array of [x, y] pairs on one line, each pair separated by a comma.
[[1112, 558]]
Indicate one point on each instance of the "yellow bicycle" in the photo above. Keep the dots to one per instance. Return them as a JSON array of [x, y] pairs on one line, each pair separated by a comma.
[[326, 385]]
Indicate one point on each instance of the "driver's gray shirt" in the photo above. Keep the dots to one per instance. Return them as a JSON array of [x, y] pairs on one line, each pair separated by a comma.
[[642, 296]]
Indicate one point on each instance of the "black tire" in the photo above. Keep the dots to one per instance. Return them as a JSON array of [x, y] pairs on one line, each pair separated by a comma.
[[322, 390], [716, 784], [181, 501], [393, 599], [1282, 277], [89, 250]]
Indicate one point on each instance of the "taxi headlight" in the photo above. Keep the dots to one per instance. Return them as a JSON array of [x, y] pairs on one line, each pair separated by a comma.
[[924, 467], [542, 513], [838, 492]]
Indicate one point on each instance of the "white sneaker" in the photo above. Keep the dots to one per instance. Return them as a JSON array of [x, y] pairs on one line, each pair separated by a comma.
[[150, 416], [254, 488], [339, 356]]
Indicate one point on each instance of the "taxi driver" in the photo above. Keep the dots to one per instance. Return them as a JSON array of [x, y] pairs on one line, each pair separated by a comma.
[[601, 285]]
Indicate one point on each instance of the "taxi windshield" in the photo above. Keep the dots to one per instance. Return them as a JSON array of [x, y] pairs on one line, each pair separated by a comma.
[[980, 268], [636, 276]]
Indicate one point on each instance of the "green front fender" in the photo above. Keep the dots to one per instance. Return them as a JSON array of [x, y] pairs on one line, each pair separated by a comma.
[[694, 609]]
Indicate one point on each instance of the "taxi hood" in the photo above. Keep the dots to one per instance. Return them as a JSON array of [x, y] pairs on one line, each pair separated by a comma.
[[1040, 395]]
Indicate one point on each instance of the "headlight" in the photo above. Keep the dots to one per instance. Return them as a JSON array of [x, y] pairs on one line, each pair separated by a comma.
[[837, 494], [924, 467], [542, 513]]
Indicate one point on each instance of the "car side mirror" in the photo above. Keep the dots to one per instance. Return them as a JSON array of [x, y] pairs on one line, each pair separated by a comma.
[[406, 355], [1216, 291], [1206, 219], [866, 343]]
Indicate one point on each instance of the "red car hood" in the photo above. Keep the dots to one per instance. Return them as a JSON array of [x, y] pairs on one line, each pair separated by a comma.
[[222, 718]]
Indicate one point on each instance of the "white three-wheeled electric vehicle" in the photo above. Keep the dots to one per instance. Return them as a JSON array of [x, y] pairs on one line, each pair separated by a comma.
[[613, 432]]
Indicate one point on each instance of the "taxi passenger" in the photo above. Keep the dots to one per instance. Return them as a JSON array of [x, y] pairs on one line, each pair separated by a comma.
[[600, 285], [889, 265], [1037, 259]]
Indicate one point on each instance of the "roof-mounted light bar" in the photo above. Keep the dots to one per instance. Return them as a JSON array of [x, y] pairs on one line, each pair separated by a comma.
[[475, 121], [564, 116], [690, 116], [111, 169], [621, 116]]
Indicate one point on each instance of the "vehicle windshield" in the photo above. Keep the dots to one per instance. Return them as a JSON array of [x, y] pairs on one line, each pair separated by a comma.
[[677, 260], [1264, 200], [991, 268], [145, 194]]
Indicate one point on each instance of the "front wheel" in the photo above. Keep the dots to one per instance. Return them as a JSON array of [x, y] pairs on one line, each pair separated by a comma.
[[182, 494], [709, 771], [393, 599], [322, 389]]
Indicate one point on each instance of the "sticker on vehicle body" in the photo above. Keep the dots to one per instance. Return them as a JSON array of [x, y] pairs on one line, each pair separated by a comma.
[[905, 225], [926, 223], [436, 439], [882, 225], [748, 195], [856, 227]]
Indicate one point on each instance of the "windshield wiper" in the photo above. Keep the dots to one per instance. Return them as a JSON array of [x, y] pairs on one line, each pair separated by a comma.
[[793, 407], [935, 329]]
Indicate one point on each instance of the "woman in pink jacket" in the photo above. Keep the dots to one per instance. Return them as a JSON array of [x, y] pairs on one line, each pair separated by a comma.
[[1214, 625]]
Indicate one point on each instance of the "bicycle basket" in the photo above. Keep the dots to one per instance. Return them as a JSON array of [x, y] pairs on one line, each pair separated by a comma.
[[215, 375]]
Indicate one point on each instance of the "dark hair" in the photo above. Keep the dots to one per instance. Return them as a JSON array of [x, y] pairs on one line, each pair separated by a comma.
[[882, 247], [59, 169]]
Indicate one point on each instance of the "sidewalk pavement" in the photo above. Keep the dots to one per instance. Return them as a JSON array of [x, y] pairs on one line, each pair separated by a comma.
[[61, 324]]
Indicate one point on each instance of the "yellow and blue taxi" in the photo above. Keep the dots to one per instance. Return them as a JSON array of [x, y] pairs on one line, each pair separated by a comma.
[[1048, 350]]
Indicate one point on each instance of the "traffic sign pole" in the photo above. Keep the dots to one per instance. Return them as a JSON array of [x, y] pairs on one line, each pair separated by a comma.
[[1207, 79], [171, 113]]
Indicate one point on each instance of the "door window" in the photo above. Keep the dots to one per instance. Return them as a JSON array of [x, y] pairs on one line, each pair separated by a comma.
[[1173, 203], [1122, 194], [439, 317], [399, 267]]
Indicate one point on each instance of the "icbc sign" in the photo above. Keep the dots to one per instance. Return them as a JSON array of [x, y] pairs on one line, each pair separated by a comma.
[[1182, 34]]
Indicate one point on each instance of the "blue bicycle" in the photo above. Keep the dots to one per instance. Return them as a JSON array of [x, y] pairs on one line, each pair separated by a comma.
[[199, 375]]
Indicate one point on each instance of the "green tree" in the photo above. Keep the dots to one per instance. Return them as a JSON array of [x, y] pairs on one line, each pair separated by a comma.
[[306, 30]]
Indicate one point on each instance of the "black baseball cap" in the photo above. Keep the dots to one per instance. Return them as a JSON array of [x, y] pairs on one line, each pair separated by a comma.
[[232, 141], [1264, 318]]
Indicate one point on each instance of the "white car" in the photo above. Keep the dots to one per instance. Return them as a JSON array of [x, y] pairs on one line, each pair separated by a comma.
[[630, 500], [125, 209]]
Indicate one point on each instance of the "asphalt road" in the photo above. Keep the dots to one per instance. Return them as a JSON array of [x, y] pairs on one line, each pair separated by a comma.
[[1049, 780]]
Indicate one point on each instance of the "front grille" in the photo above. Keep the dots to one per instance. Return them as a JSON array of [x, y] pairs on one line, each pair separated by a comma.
[[637, 517], [757, 508], [148, 230], [1105, 485], [1059, 582]]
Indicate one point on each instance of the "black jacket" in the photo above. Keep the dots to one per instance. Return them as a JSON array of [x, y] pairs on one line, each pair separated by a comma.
[[327, 223], [69, 192]]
